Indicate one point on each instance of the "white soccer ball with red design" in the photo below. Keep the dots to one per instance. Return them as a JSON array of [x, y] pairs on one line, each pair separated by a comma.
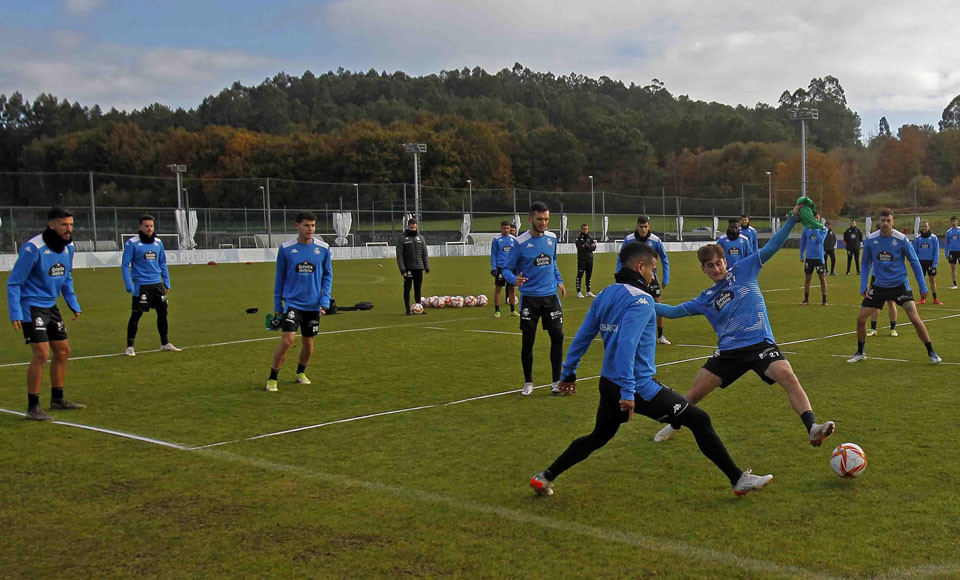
[[848, 460], [469, 300], [423, 300], [456, 301], [481, 300], [446, 300], [439, 302], [417, 308]]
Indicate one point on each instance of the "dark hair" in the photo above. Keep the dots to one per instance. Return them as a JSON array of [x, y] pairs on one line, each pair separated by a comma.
[[504, 223], [644, 219], [146, 217], [886, 212], [710, 251], [584, 225], [732, 221], [953, 218], [538, 207], [743, 215], [636, 252], [56, 212], [306, 216], [411, 221]]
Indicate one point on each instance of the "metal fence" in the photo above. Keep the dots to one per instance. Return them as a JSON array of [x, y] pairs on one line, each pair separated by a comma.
[[261, 211]]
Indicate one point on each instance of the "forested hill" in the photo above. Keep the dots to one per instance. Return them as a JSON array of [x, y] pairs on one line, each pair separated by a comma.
[[516, 127]]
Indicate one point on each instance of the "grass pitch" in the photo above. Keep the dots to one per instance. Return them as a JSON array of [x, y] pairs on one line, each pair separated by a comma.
[[440, 490]]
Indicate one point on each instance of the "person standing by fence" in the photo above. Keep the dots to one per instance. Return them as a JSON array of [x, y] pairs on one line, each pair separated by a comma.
[[413, 260]]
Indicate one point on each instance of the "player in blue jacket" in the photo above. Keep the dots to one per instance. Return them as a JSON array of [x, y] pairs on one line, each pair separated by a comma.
[[749, 231], [500, 249], [735, 308], [951, 249], [885, 251], [44, 271], [145, 276], [736, 246], [927, 247], [532, 268], [643, 234], [811, 255], [623, 314], [301, 292]]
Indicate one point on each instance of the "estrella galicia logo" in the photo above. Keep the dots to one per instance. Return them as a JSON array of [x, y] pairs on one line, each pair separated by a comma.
[[57, 270], [542, 260], [305, 268], [723, 299], [149, 255], [925, 245], [734, 251], [885, 256]]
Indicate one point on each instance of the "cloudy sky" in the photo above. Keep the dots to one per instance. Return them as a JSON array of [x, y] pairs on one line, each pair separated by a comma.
[[895, 59]]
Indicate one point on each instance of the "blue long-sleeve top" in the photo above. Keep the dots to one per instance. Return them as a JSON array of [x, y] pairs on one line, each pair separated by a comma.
[[654, 242], [500, 250], [751, 233], [927, 248], [811, 243], [623, 315], [38, 277], [536, 258], [736, 249], [734, 306], [951, 242], [304, 276], [144, 263], [886, 255]]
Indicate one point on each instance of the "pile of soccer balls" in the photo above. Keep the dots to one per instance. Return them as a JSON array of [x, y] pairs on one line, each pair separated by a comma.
[[448, 302]]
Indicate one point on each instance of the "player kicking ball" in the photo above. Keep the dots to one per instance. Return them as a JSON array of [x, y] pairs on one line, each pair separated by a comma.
[[303, 282], [885, 251], [624, 316], [735, 308]]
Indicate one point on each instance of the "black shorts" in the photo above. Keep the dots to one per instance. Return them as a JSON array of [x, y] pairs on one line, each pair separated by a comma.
[[308, 321], [928, 268], [500, 281], [810, 265], [533, 308], [730, 365], [45, 324], [877, 296], [953, 257], [666, 406], [150, 296], [654, 287]]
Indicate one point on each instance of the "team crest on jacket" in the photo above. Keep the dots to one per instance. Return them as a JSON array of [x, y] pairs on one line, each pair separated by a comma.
[[542, 260], [723, 299], [305, 268], [57, 270]]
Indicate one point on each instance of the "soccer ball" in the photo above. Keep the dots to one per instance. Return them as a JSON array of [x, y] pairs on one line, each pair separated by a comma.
[[470, 301], [423, 300], [438, 301], [481, 300], [417, 308], [456, 301], [848, 460], [447, 300]]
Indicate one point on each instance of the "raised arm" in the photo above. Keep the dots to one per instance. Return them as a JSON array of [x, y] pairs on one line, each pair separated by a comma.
[[778, 240], [688, 308]]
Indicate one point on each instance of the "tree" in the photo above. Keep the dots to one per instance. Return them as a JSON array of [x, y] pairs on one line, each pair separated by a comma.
[[951, 115], [884, 128]]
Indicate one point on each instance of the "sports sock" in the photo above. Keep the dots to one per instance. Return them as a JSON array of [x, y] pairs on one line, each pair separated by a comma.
[[274, 373], [873, 325], [929, 346], [659, 332], [33, 401], [893, 324], [301, 368], [526, 354], [808, 419], [859, 347], [56, 393], [556, 354], [548, 475], [512, 308], [934, 295], [806, 297], [824, 298], [496, 308]]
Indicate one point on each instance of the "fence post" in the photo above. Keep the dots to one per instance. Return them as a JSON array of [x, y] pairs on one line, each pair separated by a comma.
[[269, 220], [246, 230], [93, 213]]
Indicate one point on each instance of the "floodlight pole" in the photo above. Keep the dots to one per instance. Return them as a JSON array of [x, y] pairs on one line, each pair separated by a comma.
[[592, 204], [178, 170], [357, 187], [269, 217], [416, 148], [470, 189], [770, 196], [804, 115]]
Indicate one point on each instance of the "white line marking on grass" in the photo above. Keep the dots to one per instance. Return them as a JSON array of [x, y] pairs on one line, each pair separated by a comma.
[[897, 359], [763, 567], [109, 432], [921, 572]]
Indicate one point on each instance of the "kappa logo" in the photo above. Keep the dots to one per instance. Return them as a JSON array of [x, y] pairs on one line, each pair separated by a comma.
[[28, 248], [529, 245], [291, 315], [294, 251], [676, 408], [38, 322], [526, 312], [709, 292], [47, 252], [642, 301], [894, 243]]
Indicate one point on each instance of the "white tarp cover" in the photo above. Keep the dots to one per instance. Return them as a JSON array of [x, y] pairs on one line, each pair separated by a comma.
[[916, 225], [869, 226], [341, 225], [605, 228], [186, 228], [680, 227], [564, 237], [716, 227], [465, 227]]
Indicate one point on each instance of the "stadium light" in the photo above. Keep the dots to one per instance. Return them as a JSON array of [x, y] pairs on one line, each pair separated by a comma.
[[470, 189], [803, 115], [178, 170], [357, 187], [592, 204], [770, 195], [416, 149]]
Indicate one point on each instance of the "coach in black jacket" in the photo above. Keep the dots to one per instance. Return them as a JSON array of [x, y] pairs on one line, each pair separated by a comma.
[[852, 238], [413, 261], [586, 246]]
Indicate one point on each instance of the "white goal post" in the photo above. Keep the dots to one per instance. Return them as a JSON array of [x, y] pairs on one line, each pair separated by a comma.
[[163, 237], [384, 244], [447, 245]]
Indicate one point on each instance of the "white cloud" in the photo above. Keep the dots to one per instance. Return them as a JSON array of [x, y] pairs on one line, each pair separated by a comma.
[[81, 7]]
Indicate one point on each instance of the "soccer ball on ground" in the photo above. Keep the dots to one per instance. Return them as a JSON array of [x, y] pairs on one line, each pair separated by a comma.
[[417, 308], [423, 300], [447, 300], [456, 301], [437, 302], [482, 300], [469, 301], [848, 460]]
